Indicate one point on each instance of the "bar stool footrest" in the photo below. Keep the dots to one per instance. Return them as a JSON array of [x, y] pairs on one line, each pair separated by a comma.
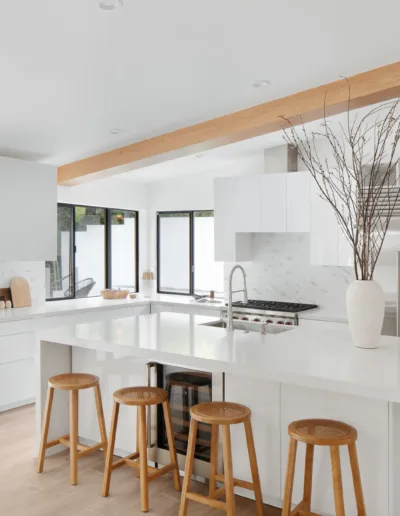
[[206, 500], [236, 482], [83, 449]]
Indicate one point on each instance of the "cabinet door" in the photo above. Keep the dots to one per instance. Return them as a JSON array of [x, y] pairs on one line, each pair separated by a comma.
[[273, 203], [323, 230], [370, 418], [28, 234], [262, 397], [224, 219], [345, 251], [228, 247], [17, 384], [248, 204], [298, 202], [114, 372]]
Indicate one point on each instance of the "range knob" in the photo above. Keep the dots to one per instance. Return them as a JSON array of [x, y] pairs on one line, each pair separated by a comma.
[[268, 322], [235, 317], [288, 323], [279, 322], [257, 319], [245, 318]]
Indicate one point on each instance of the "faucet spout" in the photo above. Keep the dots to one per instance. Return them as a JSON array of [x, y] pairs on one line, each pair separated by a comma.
[[245, 298]]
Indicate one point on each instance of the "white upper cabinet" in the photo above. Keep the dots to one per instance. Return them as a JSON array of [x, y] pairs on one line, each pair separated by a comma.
[[248, 201], [229, 246], [28, 222], [298, 202], [273, 203]]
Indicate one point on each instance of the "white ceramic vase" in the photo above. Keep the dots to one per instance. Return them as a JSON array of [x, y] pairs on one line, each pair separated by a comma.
[[365, 311]]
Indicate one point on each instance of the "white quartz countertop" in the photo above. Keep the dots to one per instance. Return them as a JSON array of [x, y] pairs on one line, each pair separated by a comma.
[[301, 356], [70, 306]]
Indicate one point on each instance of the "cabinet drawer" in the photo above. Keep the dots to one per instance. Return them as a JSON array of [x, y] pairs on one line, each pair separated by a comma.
[[20, 346], [17, 385]]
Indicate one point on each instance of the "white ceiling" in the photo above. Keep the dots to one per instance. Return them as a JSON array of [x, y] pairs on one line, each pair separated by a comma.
[[70, 71]]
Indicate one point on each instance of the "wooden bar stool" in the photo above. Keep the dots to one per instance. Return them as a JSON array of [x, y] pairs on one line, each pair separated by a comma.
[[221, 414], [73, 382], [141, 397], [322, 432]]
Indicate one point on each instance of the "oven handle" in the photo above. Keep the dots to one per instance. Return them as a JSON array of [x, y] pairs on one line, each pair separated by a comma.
[[150, 366]]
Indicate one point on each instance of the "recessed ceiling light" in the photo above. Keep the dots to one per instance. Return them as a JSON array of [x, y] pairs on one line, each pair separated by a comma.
[[110, 5], [116, 131], [262, 83]]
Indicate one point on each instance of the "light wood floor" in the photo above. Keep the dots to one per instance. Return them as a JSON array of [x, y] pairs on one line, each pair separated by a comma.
[[23, 492]]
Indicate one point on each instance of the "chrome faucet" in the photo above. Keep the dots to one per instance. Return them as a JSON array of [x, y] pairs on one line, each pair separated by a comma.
[[244, 290]]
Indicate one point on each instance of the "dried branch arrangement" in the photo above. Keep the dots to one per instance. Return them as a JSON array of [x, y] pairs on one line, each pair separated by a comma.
[[359, 179]]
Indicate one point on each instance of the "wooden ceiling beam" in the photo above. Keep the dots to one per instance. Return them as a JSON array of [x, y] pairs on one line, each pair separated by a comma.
[[367, 88]]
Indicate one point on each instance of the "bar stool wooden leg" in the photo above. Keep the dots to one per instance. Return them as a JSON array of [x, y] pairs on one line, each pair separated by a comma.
[[137, 440], [228, 470], [355, 469], [189, 466], [110, 450], [171, 445], [100, 417], [308, 472], [254, 468], [337, 481], [73, 437], [287, 500], [213, 460], [144, 483], [45, 430]]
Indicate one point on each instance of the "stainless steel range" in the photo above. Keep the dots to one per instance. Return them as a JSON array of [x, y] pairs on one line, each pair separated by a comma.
[[260, 312]]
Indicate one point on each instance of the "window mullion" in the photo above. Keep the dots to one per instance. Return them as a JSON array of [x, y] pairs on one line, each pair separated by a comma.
[[73, 253], [191, 253], [107, 250]]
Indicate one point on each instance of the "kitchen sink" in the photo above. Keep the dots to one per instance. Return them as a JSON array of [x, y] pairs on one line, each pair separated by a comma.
[[249, 326]]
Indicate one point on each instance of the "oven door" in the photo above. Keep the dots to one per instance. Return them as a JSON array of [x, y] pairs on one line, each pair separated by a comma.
[[185, 388]]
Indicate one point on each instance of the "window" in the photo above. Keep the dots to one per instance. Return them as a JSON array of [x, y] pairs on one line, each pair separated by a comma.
[[123, 238], [97, 249], [185, 251]]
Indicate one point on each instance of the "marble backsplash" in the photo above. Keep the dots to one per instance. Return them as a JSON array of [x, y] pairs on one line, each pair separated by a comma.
[[33, 272], [281, 271]]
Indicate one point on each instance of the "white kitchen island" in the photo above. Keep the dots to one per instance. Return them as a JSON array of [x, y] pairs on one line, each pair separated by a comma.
[[303, 372]]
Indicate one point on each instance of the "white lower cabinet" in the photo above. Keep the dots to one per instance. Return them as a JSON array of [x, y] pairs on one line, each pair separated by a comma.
[[17, 366], [370, 418], [114, 372], [263, 398], [17, 384]]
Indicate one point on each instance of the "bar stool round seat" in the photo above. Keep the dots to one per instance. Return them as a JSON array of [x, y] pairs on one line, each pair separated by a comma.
[[322, 432], [72, 382], [69, 381], [138, 396], [220, 413], [224, 414]]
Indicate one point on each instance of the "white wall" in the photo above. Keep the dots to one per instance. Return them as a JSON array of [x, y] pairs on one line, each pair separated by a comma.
[[33, 272]]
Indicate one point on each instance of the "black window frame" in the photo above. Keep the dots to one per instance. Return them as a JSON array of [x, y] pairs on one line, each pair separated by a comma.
[[191, 214], [107, 246]]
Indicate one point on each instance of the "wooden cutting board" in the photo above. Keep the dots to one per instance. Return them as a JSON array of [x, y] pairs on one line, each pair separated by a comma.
[[20, 292]]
